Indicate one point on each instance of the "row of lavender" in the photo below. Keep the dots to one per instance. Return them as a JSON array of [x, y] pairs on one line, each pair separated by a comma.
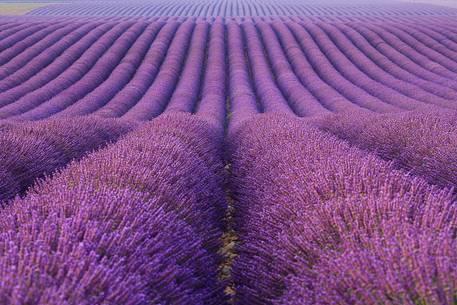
[[351, 213], [35, 149], [318, 221], [30, 151], [138, 222], [145, 229], [253, 150], [210, 19], [224, 8], [137, 69], [321, 222]]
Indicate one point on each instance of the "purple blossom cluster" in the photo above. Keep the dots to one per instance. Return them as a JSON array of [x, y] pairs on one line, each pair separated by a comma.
[[423, 143], [138, 222], [30, 151], [320, 222]]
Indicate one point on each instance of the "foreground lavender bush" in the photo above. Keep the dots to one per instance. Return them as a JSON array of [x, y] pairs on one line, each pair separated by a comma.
[[405, 262], [98, 253], [138, 222], [422, 142], [33, 150], [309, 209], [6, 125], [8, 185]]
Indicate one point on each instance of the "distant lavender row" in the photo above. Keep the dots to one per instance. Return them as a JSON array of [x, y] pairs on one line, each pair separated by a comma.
[[212, 105], [426, 19], [320, 222], [138, 222], [424, 143], [33, 150], [205, 8], [138, 68]]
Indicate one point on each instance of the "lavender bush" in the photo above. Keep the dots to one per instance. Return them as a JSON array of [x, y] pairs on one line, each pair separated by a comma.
[[303, 197], [127, 128], [143, 229], [33, 150], [423, 143]]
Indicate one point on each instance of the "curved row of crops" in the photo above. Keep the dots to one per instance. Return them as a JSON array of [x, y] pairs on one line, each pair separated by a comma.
[[316, 219], [245, 160], [139, 69], [145, 228], [31, 151], [321, 222], [203, 8]]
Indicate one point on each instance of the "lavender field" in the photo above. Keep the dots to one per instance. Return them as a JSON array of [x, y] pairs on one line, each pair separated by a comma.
[[228, 152]]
